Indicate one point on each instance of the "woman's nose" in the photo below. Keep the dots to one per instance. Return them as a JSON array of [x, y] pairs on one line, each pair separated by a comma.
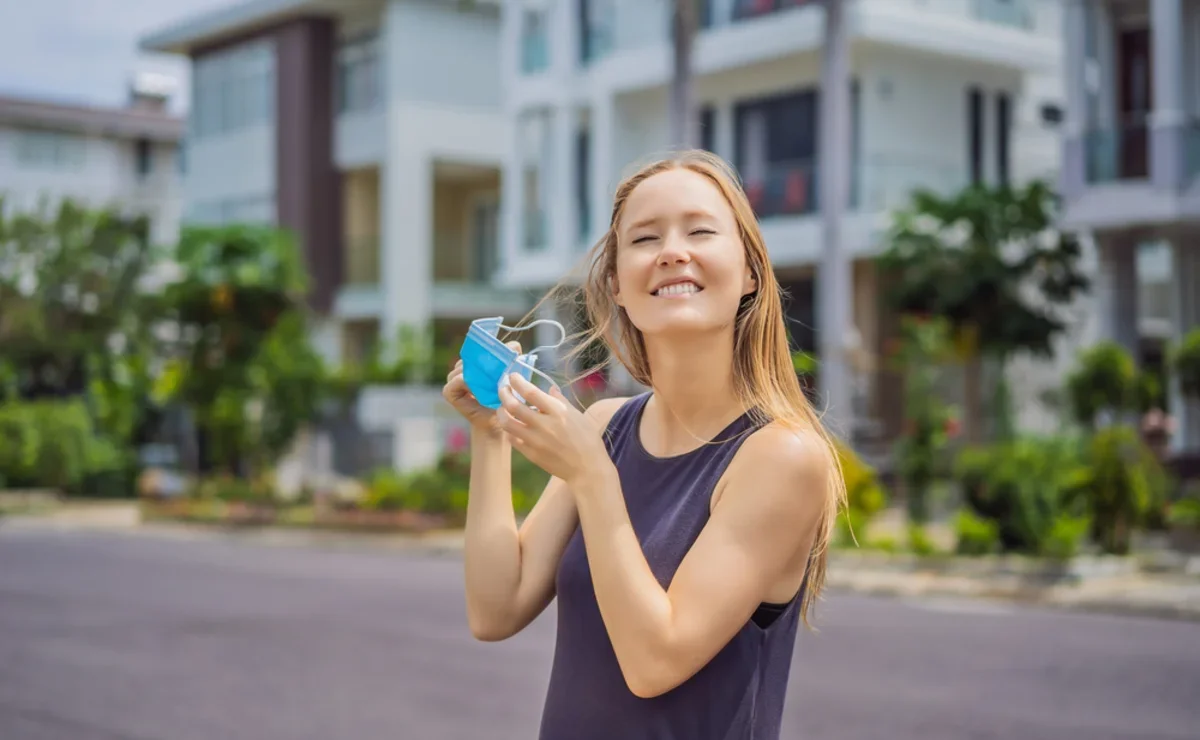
[[674, 251]]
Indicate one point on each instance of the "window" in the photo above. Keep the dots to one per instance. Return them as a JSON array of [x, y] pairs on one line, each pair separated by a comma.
[[1051, 114], [595, 28], [358, 74], [1003, 132], [253, 210], [233, 89], [144, 152], [707, 126], [484, 231], [51, 150], [776, 152], [535, 55], [975, 134]]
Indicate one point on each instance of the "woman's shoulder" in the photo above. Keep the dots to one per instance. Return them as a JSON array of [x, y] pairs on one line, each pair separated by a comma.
[[603, 410], [778, 455]]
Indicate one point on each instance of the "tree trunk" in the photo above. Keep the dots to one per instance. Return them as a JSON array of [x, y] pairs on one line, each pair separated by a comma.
[[973, 399], [683, 120]]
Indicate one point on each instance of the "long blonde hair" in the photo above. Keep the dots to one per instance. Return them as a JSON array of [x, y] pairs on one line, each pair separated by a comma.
[[764, 377]]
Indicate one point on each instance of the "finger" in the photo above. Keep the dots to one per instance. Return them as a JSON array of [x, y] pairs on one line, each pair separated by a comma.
[[516, 409], [533, 395], [455, 371], [514, 345], [508, 422]]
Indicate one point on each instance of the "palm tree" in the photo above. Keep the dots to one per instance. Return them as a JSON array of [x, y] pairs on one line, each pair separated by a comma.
[[835, 285], [683, 34]]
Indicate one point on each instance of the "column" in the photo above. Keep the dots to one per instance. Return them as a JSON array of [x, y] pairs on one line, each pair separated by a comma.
[[512, 190], [558, 183], [1075, 18], [1185, 316], [724, 141], [1116, 291], [603, 182], [1167, 123]]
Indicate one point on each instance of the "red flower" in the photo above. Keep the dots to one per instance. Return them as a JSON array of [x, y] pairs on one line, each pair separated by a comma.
[[457, 440], [952, 427]]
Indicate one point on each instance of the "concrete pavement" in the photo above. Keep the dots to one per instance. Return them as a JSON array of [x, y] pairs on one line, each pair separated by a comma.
[[113, 637]]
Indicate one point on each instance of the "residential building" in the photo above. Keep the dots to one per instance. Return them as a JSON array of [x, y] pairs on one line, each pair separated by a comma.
[[374, 131], [939, 92], [1131, 155], [125, 157]]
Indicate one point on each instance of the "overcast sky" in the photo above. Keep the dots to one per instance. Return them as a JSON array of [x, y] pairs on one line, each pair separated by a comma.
[[86, 50]]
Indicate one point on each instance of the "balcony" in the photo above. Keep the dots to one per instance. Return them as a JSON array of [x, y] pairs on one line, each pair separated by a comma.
[[1117, 154], [784, 189], [1016, 13], [361, 262]]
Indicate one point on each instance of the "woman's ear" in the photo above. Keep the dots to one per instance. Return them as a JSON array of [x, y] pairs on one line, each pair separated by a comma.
[[750, 284], [615, 287]]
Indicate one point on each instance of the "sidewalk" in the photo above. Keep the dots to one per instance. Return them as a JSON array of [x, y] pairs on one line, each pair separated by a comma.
[[1106, 589]]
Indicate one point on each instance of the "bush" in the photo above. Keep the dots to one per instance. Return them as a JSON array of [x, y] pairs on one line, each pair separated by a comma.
[[1185, 361], [1106, 381], [1065, 535], [1020, 485], [1122, 483], [865, 496], [919, 541], [975, 535], [53, 444]]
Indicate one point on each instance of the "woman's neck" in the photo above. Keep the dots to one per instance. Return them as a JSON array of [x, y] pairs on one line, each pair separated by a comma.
[[694, 395]]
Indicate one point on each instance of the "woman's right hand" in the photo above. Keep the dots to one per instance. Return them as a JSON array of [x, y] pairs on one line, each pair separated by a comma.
[[460, 397]]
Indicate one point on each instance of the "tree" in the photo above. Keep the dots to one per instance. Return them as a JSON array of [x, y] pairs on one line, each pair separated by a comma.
[[682, 114], [242, 362], [972, 258]]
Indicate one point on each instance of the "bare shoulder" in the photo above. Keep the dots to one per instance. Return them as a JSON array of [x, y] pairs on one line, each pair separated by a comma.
[[787, 470], [602, 411]]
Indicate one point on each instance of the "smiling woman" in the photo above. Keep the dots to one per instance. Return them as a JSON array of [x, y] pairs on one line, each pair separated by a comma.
[[683, 531]]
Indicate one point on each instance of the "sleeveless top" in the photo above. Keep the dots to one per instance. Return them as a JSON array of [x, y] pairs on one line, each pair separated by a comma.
[[739, 694]]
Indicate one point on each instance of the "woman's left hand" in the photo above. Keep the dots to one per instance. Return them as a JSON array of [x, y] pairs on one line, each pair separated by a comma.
[[552, 433]]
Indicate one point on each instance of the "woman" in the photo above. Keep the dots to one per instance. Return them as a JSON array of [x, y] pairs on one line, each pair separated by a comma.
[[683, 531]]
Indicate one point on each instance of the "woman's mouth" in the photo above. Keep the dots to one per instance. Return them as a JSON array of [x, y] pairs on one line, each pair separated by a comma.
[[676, 290]]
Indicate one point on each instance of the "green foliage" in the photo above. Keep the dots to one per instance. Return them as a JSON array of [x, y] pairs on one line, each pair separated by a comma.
[[243, 363], [53, 444], [1065, 536], [975, 535], [1106, 381], [1022, 485], [919, 541], [257, 491], [1185, 513], [866, 497], [1185, 362], [928, 421], [969, 257], [1122, 483]]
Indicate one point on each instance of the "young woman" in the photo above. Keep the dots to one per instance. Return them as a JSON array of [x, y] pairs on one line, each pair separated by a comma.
[[683, 531]]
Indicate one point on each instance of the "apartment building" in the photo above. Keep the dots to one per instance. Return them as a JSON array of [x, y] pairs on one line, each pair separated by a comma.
[[123, 157], [939, 99], [1131, 156], [374, 130]]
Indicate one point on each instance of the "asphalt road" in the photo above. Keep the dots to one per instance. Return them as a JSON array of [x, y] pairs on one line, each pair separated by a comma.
[[113, 637]]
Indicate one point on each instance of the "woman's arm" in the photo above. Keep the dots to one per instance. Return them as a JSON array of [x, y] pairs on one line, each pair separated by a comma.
[[509, 572], [759, 535]]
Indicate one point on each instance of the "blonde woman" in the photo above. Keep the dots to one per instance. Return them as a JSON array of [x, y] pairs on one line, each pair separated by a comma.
[[684, 531]]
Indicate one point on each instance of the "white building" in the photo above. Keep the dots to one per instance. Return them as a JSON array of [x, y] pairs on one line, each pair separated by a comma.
[[940, 98], [125, 158], [371, 128]]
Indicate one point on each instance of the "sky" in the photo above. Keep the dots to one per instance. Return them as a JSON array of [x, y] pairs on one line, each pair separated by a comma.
[[85, 51]]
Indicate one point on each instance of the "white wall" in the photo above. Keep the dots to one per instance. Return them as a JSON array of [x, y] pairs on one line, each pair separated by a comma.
[[442, 55]]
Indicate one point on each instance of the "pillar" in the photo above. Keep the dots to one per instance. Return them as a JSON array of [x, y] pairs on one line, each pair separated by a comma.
[[1074, 167], [1167, 160], [512, 191], [1185, 316], [603, 180]]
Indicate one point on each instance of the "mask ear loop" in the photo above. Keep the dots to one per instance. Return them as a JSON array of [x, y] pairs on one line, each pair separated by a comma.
[[533, 352]]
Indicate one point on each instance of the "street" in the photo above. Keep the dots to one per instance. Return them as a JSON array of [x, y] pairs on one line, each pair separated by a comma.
[[117, 637]]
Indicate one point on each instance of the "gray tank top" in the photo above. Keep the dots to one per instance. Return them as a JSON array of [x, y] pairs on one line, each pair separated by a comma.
[[739, 694]]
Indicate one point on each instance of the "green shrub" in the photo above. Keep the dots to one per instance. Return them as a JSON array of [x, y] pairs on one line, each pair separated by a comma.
[[1185, 362], [975, 535], [1185, 513], [1105, 381], [1020, 485], [1119, 487], [919, 541], [1065, 535], [54, 444], [865, 497]]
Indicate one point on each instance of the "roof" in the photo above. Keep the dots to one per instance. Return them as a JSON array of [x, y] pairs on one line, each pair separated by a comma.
[[123, 123]]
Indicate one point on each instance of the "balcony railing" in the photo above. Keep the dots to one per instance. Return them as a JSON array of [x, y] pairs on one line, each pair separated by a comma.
[[889, 183], [743, 9], [362, 259], [1191, 148], [535, 229], [1016, 13], [1117, 154], [785, 189]]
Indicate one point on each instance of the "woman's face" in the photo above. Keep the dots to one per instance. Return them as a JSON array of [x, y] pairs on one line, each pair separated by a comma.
[[681, 264]]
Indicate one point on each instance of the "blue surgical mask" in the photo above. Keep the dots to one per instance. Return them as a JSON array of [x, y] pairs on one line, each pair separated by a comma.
[[487, 361]]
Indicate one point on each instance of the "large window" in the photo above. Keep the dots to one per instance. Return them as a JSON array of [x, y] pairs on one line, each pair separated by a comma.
[[776, 152], [252, 210], [358, 74], [975, 134], [51, 150], [233, 89]]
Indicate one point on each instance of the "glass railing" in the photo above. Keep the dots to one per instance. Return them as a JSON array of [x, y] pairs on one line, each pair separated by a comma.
[[1016, 13], [889, 184], [1191, 148], [535, 52], [362, 261], [784, 189], [535, 229], [1117, 154]]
